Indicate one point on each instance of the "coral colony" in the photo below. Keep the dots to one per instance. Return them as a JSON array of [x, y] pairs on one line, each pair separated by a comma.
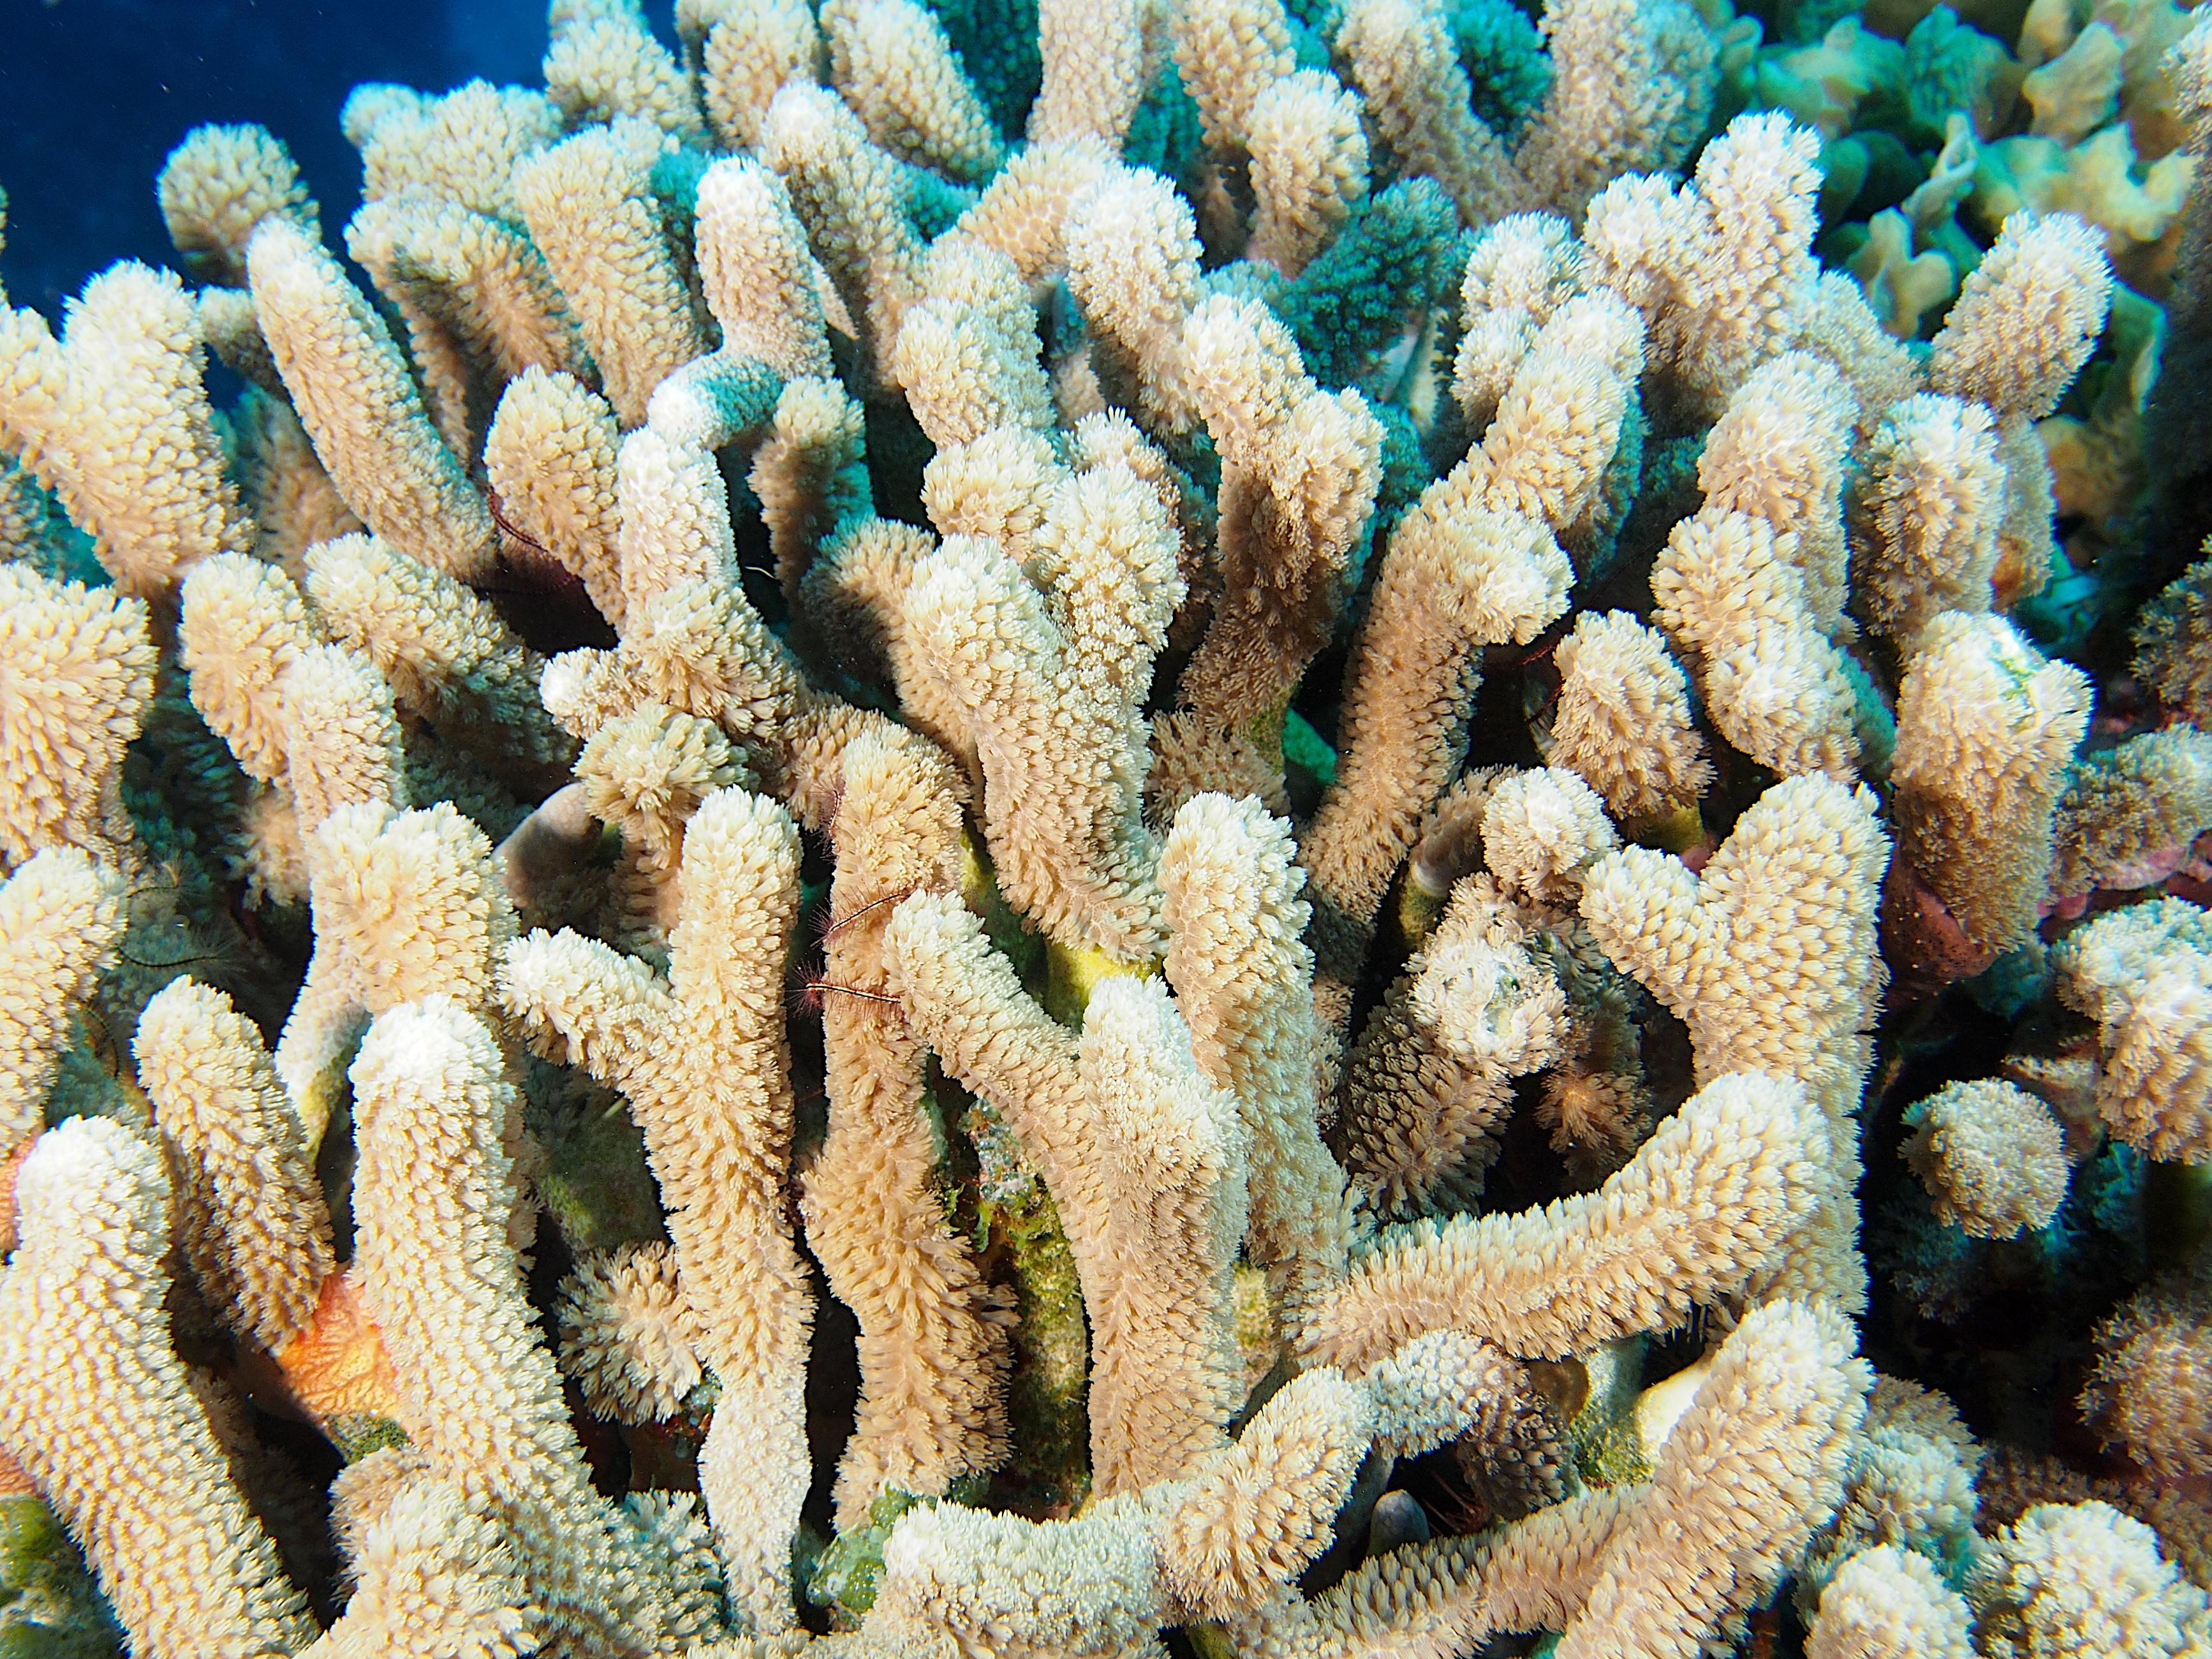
[[1128, 826]]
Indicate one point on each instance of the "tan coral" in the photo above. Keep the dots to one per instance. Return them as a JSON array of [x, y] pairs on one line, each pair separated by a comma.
[[219, 183], [113, 418], [1985, 726], [1731, 598], [1781, 918], [847, 193], [933, 1345], [2081, 1578], [2144, 975], [717, 1127], [1774, 1416], [1401, 55], [1889, 1603], [97, 1407], [626, 1334], [479, 1393], [1309, 167], [462, 147], [2028, 318], [1623, 718], [1924, 516], [350, 751], [76, 674], [759, 278], [244, 624], [1630, 1257], [1991, 1155], [250, 1216], [61, 914], [606, 68], [1244, 982], [550, 455], [1146, 1161], [896, 68], [444, 652], [1300, 468], [408, 905], [1429, 1083], [350, 386], [1095, 64], [589, 203], [1457, 577], [2151, 1394], [1046, 677], [1778, 451], [748, 55]]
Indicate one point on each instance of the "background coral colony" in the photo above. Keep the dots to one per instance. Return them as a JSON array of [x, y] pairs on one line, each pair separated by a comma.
[[1264, 828]]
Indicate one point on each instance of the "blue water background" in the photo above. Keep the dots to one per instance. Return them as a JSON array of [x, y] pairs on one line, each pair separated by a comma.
[[95, 93]]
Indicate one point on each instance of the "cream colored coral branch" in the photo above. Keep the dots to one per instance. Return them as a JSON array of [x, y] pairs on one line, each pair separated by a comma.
[[61, 914], [1723, 268], [1222, 1544], [407, 905], [1733, 600], [892, 61], [96, 1407], [243, 625], [1769, 956], [1096, 58], [350, 386], [1458, 576], [1402, 58], [716, 1114], [1430, 1081], [431, 1576], [462, 147], [609, 67], [1985, 727], [250, 1214], [550, 455], [217, 186], [1632, 90], [934, 1352], [1887, 1603], [760, 279], [1706, 1203], [1300, 471], [590, 205], [847, 194], [445, 653], [2144, 975], [480, 305], [1244, 982], [1744, 1478], [1622, 719], [1146, 1161], [1053, 684], [113, 418], [78, 676], [1924, 516], [478, 1394]]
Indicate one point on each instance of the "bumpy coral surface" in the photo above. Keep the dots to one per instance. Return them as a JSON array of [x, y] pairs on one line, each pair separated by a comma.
[[1121, 827]]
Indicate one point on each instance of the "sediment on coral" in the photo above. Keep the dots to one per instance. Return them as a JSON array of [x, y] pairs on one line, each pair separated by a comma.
[[1090, 829]]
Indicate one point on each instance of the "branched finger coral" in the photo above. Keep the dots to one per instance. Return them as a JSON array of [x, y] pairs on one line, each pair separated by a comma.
[[1336, 608]]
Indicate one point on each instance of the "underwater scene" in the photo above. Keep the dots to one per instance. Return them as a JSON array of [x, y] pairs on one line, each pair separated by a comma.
[[1094, 828]]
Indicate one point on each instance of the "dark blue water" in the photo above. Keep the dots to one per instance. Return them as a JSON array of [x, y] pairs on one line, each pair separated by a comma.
[[93, 93]]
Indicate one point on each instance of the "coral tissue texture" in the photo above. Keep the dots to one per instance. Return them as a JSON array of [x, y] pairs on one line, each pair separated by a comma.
[[1090, 828]]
